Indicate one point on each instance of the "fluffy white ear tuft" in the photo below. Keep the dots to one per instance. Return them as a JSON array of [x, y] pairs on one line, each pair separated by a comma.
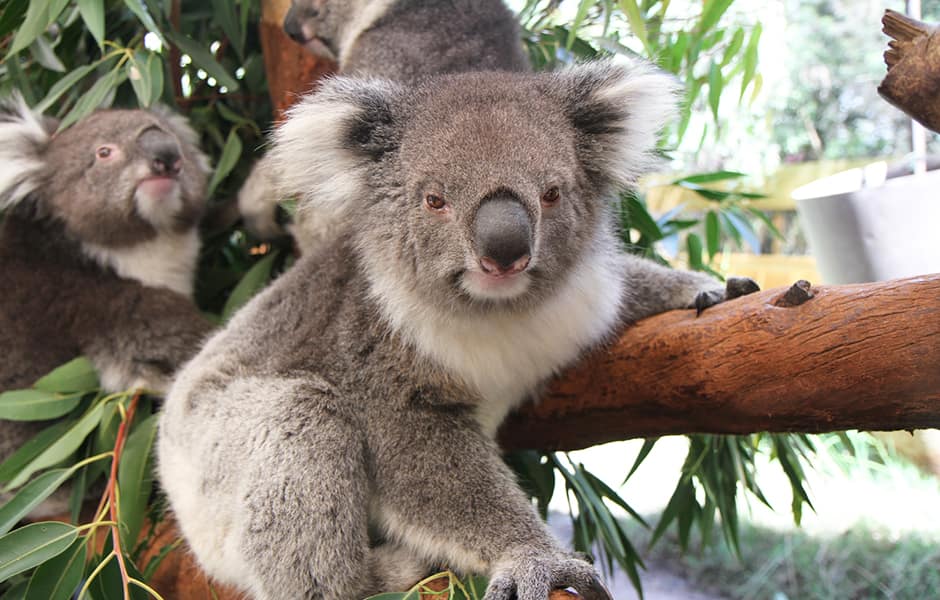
[[618, 110], [323, 151], [23, 139]]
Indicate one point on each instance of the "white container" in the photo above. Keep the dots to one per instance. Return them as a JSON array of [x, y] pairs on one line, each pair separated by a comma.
[[863, 227]]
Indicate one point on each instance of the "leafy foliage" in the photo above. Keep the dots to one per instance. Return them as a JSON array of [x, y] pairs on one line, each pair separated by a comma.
[[69, 57]]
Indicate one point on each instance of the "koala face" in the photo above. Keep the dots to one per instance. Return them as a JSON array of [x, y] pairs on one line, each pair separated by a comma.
[[315, 24], [475, 191], [120, 177]]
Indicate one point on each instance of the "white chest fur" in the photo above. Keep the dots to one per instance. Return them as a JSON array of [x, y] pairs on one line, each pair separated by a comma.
[[506, 356], [168, 260]]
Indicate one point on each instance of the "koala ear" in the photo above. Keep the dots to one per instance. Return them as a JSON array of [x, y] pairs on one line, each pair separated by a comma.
[[24, 137], [324, 150], [617, 110]]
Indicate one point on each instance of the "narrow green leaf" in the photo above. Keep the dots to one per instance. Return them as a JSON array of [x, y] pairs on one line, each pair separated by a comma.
[[709, 177], [92, 12], [712, 234], [36, 21], [11, 15], [750, 59], [694, 247], [641, 220], [63, 85], [59, 578], [138, 73], [31, 496], [204, 59], [230, 155], [17, 592], [44, 54], [579, 17], [765, 219], [712, 13], [77, 375], [251, 283], [155, 66], [734, 46], [648, 444], [223, 12], [135, 479], [60, 449], [31, 449], [636, 21], [140, 11], [35, 405], [94, 97], [715, 85], [32, 545]]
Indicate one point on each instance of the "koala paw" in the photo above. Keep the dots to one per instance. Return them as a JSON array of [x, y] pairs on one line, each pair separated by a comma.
[[534, 577], [734, 288]]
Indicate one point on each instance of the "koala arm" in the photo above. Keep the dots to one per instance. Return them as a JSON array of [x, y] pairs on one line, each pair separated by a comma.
[[651, 288], [140, 336], [448, 495]]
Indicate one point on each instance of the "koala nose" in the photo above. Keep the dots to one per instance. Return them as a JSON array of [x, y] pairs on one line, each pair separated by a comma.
[[503, 235], [293, 23], [161, 150]]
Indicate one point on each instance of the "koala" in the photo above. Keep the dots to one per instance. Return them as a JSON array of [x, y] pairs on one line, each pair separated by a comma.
[[476, 255], [403, 40], [98, 248]]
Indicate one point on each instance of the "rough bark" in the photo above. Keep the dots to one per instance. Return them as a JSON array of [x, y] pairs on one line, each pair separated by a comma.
[[861, 356], [913, 58]]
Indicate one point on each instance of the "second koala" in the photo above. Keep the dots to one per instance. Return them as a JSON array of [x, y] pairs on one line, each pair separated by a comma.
[[476, 255]]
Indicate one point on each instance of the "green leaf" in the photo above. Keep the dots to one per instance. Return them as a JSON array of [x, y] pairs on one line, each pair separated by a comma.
[[17, 592], [138, 72], [223, 13], [733, 46], [63, 85], [32, 545], [765, 219], [59, 578], [694, 247], [94, 97], [155, 66], [11, 16], [750, 59], [77, 375], [30, 450], [715, 85], [709, 177], [635, 19], [35, 405], [44, 54], [251, 283], [712, 13], [579, 17], [31, 496], [641, 220], [712, 234], [140, 11], [230, 155], [135, 479], [60, 449], [36, 21], [203, 58], [92, 12], [648, 444]]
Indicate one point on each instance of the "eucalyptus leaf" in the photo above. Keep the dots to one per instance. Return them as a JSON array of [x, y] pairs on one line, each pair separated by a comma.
[[92, 12], [65, 84], [36, 21], [30, 546], [253, 281], [12, 14], [204, 59], [77, 375], [60, 449], [59, 578], [44, 54], [140, 11], [230, 155], [135, 479], [94, 97], [36, 405], [30, 496], [31, 449]]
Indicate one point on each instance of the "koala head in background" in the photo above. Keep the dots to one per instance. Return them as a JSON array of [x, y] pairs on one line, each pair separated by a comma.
[[314, 23], [114, 179], [480, 190]]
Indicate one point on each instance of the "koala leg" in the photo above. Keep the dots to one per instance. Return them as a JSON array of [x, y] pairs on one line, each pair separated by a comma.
[[445, 492], [651, 288]]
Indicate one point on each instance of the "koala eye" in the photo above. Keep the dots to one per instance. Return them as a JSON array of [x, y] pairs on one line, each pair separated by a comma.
[[435, 202], [105, 152], [551, 196]]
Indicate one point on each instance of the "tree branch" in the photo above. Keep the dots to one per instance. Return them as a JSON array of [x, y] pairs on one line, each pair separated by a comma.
[[913, 58], [853, 357]]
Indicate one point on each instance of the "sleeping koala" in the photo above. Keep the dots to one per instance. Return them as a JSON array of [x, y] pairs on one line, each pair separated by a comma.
[[402, 40], [476, 256], [98, 248]]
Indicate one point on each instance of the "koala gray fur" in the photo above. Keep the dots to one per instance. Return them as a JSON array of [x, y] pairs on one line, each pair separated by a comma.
[[98, 252], [475, 254], [402, 40]]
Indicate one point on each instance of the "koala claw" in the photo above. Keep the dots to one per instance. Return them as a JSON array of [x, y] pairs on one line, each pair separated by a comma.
[[535, 578], [735, 287]]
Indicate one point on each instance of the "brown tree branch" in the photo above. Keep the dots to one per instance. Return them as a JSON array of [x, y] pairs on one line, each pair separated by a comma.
[[853, 357], [913, 58]]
